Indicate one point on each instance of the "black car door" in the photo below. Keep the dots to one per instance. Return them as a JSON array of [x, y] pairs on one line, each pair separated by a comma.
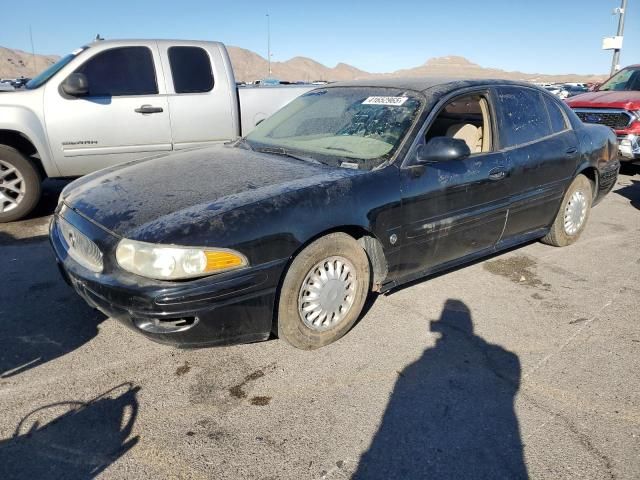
[[542, 149], [454, 208]]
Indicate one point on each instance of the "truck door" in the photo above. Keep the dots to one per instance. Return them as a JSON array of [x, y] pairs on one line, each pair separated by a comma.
[[201, 92], [124, 116]]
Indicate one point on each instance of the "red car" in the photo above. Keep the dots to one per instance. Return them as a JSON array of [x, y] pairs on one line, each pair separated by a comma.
[[615, 103]]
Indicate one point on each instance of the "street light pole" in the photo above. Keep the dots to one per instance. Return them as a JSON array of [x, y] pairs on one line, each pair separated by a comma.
[[269, 42], [616, 52]]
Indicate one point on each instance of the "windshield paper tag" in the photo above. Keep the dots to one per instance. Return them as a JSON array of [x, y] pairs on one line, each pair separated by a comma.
[[393, 101]]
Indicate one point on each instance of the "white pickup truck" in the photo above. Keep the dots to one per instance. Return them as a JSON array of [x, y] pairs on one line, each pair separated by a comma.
[[118, 100]]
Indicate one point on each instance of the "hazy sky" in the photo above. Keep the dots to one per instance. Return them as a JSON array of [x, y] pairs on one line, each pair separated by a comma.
[[543, 36]]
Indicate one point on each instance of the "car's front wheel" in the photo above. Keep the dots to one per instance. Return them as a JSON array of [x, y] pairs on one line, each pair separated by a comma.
[[573, 214], [19, 185], [323, 292]]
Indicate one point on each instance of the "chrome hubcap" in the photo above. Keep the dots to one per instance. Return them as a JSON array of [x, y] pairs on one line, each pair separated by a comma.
[[575, 212], [327, 293], [12, 187]]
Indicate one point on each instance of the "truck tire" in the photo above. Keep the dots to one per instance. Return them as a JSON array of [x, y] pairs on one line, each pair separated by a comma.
[[20, 185], [323, 292], [573, 214]]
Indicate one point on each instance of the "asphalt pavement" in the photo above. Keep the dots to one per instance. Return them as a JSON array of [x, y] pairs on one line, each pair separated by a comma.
[[524, 365]]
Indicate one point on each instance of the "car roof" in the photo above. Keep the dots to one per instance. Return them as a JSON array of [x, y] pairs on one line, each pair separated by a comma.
[[422, 84]]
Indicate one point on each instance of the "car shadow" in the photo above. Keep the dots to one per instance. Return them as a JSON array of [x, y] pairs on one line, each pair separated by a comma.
[[632, 192], [72, 439], [42, 317], [451, 414], [51, 189]]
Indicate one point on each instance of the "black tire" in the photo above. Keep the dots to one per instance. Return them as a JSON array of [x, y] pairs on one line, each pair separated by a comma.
[[558, 235], [291, 326], [31, 180]]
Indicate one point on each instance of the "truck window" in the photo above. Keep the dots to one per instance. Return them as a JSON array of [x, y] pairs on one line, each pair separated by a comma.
[[190, 69], [523, 117], [121, 71], [558, 120]]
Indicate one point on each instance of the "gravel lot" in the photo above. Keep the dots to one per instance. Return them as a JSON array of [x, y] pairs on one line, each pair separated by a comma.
[[526, 364]]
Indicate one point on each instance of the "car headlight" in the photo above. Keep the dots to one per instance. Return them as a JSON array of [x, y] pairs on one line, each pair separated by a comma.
[[170, 262]]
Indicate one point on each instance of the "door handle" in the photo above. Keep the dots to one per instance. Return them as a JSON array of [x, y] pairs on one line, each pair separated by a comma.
[[497, 173], [571, 151], [148, 109]]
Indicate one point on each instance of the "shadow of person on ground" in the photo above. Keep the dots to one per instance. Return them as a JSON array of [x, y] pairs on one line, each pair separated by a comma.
[[632, 192], [451, 414], [72, 440], [42, 318]]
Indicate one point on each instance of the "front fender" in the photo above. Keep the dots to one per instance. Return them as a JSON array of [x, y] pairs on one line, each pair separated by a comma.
[[29, 123]]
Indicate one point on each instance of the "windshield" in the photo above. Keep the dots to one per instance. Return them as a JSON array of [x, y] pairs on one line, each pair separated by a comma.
[[351, 127], [626, 79], [44, 77]]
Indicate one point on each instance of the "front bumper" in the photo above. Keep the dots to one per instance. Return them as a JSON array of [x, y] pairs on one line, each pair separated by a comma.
[[236, 307], [629, 147]]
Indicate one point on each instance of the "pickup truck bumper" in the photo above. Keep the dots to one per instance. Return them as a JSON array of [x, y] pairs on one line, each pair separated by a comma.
[[629, 147], [236, 307]]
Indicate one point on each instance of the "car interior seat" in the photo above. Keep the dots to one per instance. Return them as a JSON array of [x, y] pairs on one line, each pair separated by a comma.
[[469, 133]]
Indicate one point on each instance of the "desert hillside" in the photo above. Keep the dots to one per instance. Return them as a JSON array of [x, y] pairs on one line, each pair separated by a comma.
[[250, 66]]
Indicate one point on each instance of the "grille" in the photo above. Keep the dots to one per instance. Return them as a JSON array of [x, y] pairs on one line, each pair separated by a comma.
[[616, 120], [79, 247]]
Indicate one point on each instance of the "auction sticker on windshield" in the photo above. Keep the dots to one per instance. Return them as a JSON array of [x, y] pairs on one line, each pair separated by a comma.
[[393, 101]]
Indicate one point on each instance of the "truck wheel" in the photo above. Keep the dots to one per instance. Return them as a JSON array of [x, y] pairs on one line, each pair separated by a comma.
[[573, 214], [323, 292], [19, 185]]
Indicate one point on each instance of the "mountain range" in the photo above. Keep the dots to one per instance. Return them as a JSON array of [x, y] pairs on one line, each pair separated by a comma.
[[249, 66]]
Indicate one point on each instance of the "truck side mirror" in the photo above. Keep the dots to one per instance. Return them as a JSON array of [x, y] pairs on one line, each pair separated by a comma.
[[76, 85], [442, 149]]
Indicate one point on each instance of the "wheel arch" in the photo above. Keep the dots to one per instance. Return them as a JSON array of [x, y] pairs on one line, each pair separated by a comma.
[[367, 240], [23, 144], [592, 174]]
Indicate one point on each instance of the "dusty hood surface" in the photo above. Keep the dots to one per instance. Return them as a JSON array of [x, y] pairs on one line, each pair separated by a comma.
[[216, 179]]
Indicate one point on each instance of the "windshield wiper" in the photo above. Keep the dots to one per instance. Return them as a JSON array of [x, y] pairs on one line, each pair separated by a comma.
[[285, 153], [243, 141]]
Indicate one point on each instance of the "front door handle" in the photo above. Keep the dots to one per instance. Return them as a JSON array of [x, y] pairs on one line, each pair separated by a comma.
[[497, 173], [148, 109]]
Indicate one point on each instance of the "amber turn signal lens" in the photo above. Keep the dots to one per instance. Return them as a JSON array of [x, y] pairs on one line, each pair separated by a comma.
[[222, 261]]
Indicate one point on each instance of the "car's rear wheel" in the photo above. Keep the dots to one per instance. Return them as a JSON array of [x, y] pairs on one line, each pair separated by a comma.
[[573, 214], [323, 292], [19, 185]]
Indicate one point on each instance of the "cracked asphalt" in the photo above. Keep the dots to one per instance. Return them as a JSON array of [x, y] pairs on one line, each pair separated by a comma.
[[524, 365]]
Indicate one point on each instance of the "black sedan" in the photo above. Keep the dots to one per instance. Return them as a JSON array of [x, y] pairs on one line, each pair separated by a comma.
[[351, 188]]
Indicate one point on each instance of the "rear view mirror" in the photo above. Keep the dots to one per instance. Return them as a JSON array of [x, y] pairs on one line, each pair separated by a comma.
[[442, 149], [76, 85]]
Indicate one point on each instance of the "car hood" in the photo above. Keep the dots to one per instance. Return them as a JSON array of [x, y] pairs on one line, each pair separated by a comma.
[[216, 180], [628, 100]]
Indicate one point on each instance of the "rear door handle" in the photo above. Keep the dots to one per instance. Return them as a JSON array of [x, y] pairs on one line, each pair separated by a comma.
[[497, 173], [571, 151], [148, 109]]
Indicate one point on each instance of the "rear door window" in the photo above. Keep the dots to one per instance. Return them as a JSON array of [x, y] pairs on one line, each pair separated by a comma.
[[190, 69], [121, 71], [523, 117]]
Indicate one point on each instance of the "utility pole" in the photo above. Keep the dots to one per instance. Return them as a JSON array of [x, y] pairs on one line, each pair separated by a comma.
[[269, 43], [615, 64], [33, 52]]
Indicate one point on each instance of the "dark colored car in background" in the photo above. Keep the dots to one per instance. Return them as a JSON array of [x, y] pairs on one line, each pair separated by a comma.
[[350, 188], [616, 104]]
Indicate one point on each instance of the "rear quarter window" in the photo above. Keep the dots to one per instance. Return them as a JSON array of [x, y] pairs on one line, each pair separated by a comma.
[[557, 118], [523, 116], [190, 69]]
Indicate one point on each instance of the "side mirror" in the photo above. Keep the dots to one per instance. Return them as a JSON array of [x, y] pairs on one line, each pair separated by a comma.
[[442, 149], [76, 85]]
